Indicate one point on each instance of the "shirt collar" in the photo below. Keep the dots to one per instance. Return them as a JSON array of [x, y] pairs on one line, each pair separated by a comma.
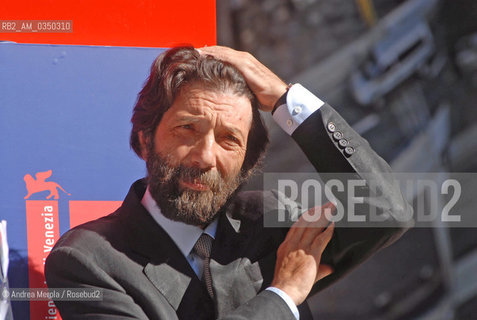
[[184, 235]]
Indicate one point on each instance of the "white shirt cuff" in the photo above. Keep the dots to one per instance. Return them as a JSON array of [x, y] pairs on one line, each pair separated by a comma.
[[301, 103], [288, 301]]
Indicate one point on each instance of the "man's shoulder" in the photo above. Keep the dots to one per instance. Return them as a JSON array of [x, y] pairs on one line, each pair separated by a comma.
[[110, 228], [93, 234]]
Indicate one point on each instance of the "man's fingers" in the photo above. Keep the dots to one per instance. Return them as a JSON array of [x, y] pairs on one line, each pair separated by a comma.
[[310, 224], [321, 241], [312, 230], [318, 221], [323, 271], [222, 53], [317, 216], [296, 230]]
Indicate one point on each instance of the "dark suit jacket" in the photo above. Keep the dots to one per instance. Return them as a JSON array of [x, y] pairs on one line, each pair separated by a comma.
[[143, 274]]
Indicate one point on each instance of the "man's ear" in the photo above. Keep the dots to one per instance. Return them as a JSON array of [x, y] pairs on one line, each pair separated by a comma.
[[143, 141]]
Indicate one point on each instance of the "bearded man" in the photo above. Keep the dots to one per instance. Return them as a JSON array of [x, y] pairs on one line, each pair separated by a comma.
[[186, 244]]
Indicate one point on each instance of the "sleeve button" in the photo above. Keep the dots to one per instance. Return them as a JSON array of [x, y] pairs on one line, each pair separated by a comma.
[[289, 122], [297, 110], [343, 143], [349, 150], [337, 135], [331, 127]]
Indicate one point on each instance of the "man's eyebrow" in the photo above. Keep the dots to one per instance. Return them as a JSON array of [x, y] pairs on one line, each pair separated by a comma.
[[187, 119], [231, 129]]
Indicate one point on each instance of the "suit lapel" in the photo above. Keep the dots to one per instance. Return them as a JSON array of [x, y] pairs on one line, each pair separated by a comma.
[[165, 266], [171, 283], [235, 278]]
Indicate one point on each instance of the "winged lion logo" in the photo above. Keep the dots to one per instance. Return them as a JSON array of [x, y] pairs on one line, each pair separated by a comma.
[[39, 184]]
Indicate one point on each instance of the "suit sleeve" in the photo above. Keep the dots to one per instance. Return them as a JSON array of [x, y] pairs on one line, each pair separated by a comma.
[[66, 267], [337, 151], [265, 306]]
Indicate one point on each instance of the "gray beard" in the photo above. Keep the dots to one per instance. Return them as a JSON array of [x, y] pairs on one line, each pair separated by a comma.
[[197, 208]]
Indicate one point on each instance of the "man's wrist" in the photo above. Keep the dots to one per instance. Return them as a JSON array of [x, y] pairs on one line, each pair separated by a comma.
[[300, 104], [289, 301], [283, 99]]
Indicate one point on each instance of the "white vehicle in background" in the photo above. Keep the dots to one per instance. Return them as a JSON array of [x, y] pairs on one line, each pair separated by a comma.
[[403, 51]]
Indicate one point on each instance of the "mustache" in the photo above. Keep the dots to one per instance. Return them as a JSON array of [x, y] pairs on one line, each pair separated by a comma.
[[211, 178]]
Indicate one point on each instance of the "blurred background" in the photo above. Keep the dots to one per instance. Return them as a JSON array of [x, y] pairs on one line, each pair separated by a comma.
[[404, 74]]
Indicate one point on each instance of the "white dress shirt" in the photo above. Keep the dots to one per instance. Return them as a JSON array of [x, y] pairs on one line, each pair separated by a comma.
[[301, 103], [184, 235]]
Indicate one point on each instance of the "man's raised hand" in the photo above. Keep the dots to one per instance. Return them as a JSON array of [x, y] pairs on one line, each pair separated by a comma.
[[266, 85], [298, 258]]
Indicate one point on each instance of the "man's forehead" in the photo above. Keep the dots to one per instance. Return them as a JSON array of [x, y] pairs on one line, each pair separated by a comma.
[[199, 99]]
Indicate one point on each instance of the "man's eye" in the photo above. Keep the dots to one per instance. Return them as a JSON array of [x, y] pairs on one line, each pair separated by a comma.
[[233, 139], [186, 126]]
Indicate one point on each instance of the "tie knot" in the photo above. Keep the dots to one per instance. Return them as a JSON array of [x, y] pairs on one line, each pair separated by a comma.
[[203, 246]]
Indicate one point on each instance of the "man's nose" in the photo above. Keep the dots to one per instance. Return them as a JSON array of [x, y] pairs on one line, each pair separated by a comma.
[[204, 153]]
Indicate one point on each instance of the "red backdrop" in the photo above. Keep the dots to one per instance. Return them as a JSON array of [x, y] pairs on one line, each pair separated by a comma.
[[143, 23]]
